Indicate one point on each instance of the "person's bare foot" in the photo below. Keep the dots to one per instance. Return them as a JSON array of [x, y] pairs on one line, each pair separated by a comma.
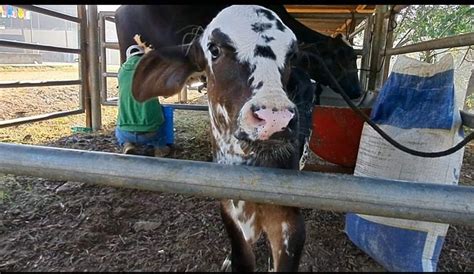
[[129, 148]]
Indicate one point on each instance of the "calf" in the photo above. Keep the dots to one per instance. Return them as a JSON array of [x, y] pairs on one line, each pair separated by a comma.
[[246, 53]]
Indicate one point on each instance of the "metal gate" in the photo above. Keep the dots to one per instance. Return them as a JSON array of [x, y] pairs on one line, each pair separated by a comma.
[[81, 51]]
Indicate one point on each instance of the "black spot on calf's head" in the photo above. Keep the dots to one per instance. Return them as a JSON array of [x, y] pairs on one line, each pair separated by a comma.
[[264, 51]]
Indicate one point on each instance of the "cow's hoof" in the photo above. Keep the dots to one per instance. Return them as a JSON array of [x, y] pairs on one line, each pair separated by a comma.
[[226, 265], [270, 264]]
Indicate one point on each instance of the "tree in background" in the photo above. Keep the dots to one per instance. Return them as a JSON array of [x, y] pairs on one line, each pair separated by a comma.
[[418, 23]]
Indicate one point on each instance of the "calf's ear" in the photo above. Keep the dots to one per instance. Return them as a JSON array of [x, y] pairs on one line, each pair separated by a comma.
[[163, 72]]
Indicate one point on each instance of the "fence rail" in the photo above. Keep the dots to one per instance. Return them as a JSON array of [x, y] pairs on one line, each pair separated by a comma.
[[460, 40], [339, 192], [41, 117], [25, 84], [82, 75], [49, 12], [23, 45]]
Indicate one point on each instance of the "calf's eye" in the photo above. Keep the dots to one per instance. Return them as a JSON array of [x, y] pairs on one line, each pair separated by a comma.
[[214, 50]]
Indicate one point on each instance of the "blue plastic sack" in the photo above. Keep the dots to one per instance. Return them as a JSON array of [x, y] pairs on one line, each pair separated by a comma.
[[416, 107]]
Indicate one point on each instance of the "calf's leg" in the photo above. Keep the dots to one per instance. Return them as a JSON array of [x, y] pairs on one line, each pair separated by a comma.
[[285, 231], [242, 256]]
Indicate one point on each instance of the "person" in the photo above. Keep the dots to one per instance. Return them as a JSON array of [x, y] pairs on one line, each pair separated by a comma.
[[139, 125]]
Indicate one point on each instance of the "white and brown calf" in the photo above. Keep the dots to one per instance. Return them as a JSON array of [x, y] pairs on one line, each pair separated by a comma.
[[245, 52]]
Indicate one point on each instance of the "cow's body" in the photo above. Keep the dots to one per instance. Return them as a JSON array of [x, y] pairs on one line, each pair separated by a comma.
[[260, 111], [170, 25]]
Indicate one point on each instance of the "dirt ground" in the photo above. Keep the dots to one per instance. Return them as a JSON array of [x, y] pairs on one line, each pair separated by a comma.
[[70, 226]]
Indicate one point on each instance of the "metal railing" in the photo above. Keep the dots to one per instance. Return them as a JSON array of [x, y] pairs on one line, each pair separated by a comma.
[[104, 45], [339, 192], [81, 51], [104, 74], [380, 57]]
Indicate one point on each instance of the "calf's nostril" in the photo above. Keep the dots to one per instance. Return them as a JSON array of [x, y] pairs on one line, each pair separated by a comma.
[[255, 115], [254, 108]]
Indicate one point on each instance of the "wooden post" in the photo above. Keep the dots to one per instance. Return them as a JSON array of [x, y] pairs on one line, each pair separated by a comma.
[[383, 56], [389, 45], [367, 49], [377, 42], [93, 50], [183, 95]]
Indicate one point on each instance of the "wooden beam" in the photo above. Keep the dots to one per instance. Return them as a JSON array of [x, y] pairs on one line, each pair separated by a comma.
[[303, 9]]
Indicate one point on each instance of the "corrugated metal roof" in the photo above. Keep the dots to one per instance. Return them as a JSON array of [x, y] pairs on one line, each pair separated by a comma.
[[331, 19]]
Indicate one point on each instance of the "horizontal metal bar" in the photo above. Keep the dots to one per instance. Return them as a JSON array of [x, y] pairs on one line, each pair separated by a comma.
[[106, 14], [460, 40], [113, 102], [359, 28], [108, 103], [339, 192], [467, 118], [359, 52], [110, 19], [109, 74], [22, 45], [24, 84], [49, 12], [110, 45], [187, 107], [36, 118]]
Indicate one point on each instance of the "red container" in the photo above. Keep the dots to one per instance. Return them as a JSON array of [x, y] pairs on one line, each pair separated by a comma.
[[336, 134]]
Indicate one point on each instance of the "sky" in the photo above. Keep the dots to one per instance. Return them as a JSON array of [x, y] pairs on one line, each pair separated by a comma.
[[107, 7]]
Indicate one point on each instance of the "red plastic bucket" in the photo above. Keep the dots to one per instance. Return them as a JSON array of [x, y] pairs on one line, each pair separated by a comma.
[[336, 134]]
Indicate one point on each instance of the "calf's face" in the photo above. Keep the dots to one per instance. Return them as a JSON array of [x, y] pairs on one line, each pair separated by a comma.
[[245, 52]]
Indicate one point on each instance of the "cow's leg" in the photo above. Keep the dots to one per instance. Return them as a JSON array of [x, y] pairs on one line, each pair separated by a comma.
[[242, 256], [285, 230]]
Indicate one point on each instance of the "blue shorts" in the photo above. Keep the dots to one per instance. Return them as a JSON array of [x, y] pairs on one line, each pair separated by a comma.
[[152, 139]]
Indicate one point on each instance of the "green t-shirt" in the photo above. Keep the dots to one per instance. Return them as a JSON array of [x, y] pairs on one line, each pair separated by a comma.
[[133, 115]]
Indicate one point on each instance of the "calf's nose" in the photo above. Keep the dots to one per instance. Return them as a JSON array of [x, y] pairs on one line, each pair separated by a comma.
[[269, 121]]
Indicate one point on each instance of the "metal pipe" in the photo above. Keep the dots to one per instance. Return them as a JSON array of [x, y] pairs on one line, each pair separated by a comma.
[[113, 102], [339, 192], [110, 45], [359, 28], [23, 45], [110, 18], [24, 84], [49, 12], [94, 85], [359, 52], [376, 46], [84, 97], [103, 59], [36, 118], [110, 74], [460, 40]]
